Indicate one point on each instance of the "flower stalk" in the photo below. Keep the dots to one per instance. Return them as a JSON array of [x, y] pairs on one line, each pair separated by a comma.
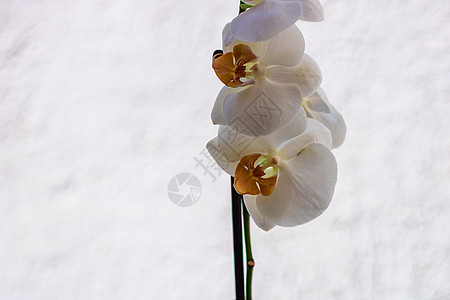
[[236, 204], [249, 254]]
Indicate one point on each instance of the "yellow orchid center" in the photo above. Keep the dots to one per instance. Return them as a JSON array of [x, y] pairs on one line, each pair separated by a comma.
[[256, 174], [232, 66]]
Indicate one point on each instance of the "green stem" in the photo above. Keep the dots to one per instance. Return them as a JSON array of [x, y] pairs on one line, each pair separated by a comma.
[[243, 7], [249, 254]]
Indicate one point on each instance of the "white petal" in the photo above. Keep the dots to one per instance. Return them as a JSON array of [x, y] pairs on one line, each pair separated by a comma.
[[312, 11], [318, 107], [217, 116], [304, 190], [285, 49], [260, 221], [235, 145], [306, 75], [297, 126], [261, 108], [315, 133], [220, 158], [265, 20], [227, 37]]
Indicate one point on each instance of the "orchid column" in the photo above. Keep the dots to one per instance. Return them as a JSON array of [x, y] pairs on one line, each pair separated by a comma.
[[277, 127]]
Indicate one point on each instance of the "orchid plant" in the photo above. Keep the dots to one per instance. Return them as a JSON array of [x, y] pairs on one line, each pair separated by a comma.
[[277, 126]]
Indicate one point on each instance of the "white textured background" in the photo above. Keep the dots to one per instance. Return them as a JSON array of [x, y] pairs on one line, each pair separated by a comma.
[[102, 102]]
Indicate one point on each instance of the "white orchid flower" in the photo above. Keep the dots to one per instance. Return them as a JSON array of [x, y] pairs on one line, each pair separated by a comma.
[[287, 177], [265, 82], [319, 108], [269, 17]]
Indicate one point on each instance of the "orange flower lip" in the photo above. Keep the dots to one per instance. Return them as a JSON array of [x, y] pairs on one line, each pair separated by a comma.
[[230, 67], [249, 179]]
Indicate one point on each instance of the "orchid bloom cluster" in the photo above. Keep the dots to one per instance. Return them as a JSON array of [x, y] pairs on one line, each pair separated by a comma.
[[277, 127]]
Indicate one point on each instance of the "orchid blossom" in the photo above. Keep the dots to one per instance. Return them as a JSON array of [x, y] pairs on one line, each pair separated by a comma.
[[265, 82], [269, 17], [277, 127], [319, 108], [287, 177]]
